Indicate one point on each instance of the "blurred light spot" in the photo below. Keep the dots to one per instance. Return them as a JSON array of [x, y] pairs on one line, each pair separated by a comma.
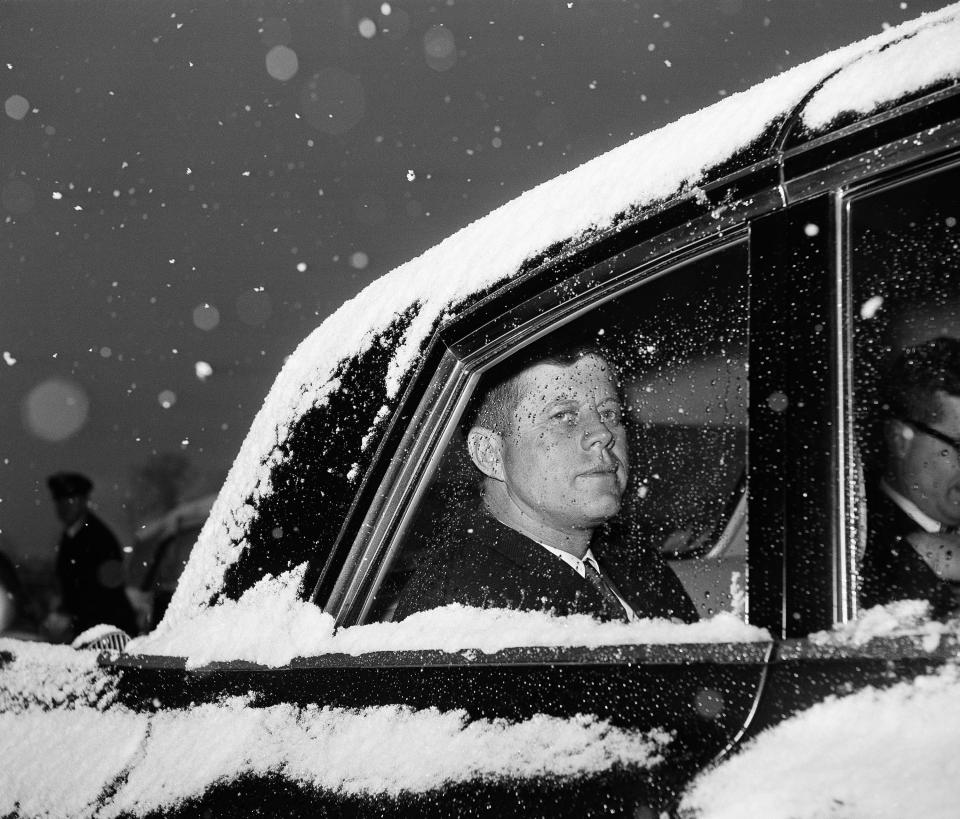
[[167, 398], [367, 28], [9, 359], [275, 32], [439, 48], [302, 267], [55, 409], [254, 307], [778, 401], [811, 229], [282, 63], [56, 195], [385, 9], [49, 130], [203, 370], [359, 260], [332, 101], [870, 307], [709, 703], [105, 352], [17, 197], [206, 316], [411, 175], [950, 221], [17, 107]]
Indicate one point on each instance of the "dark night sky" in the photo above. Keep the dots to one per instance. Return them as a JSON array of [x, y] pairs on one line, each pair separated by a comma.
[[205, 181]]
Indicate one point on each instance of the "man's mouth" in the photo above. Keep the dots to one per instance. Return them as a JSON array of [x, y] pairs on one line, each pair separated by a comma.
[[601, 470]]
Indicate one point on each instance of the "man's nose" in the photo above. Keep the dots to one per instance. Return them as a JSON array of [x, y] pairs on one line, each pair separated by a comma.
[[595, 431]]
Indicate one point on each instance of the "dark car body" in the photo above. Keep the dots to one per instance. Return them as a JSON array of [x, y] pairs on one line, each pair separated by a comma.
[[338, 477]]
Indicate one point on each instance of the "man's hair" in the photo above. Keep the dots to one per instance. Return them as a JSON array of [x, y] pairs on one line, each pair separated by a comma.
[[917, 374], [494, 402]]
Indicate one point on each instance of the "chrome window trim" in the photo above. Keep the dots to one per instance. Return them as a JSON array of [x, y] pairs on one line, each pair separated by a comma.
[[926, 144], [843, 511]]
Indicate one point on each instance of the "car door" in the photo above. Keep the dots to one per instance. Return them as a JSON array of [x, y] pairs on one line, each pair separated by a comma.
[[632, 710]]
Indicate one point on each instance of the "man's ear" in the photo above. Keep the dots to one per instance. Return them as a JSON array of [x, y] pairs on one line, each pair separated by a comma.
[[486, 451], [898, 436]]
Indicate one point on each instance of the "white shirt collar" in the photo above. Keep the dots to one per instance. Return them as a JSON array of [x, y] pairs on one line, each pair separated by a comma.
[[923, 520], [573, 561], [577, 564]]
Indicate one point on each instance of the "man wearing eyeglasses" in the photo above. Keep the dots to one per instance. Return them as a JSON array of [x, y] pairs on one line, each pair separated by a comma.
[[913, 549]]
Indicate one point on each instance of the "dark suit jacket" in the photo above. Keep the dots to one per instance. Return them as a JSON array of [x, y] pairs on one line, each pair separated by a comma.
[[892, 569], [90, 571], [480, 562]]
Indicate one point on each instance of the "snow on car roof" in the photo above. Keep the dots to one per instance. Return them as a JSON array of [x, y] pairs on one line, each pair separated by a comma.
[[650, 169]]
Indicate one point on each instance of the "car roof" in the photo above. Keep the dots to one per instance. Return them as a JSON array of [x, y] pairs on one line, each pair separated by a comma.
[[797, 107]]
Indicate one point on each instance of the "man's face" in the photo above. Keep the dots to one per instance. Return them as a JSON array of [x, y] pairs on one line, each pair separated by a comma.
[[926, 470], [565, 454], [70, 508]]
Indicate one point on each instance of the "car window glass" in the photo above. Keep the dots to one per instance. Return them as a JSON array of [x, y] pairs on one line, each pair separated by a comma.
[[665, 367], [906, 331]]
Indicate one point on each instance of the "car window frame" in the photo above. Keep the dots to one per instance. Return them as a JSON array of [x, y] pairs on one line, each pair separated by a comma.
[[466, 358], [847, 200]]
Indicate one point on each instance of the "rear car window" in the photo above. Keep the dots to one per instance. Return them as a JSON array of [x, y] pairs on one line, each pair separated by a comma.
[[906, 325]]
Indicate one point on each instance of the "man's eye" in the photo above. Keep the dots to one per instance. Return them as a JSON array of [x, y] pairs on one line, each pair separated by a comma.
[[566, 416], [611, 414]]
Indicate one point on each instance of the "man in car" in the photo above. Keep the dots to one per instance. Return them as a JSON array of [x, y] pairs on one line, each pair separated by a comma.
[[913, 550], [550, 447]]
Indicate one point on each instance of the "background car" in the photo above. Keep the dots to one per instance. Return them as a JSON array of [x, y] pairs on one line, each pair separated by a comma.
[[725, 261]]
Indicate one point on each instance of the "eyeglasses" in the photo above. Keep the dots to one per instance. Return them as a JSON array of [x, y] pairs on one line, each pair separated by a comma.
[[953, 443]]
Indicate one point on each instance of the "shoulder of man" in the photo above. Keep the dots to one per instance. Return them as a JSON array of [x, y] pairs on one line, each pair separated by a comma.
[[101, 536]]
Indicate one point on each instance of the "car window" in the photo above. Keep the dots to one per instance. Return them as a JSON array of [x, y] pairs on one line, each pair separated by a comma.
[[906, 332], [675, 350]]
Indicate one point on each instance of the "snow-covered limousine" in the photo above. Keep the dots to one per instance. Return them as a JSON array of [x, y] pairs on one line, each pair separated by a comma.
[[634, 498]]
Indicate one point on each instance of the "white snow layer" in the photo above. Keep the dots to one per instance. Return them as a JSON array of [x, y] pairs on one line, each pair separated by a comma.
[[654, 167], [875, 754], [902, 618], [50, 676], [156, 761], [884, 75], [271, 625]]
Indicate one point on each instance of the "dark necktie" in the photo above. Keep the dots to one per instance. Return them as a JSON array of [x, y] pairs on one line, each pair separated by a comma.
[[597, 581]]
